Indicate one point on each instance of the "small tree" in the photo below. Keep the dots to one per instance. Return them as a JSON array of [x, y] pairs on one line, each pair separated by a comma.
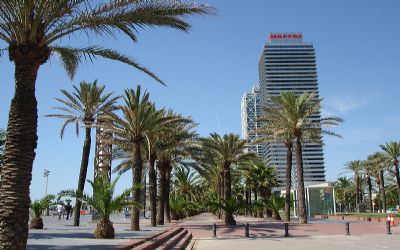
[[230, 206], [276, 203], [37, 221], [105, 203]]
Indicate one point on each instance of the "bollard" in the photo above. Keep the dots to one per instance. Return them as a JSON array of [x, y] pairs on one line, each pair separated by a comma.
[[246, 230], [214, 228], [286, 229], [347, 226], [388, 227]]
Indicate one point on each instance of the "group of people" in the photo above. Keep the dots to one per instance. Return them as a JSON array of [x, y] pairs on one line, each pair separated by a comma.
[[64, 210]]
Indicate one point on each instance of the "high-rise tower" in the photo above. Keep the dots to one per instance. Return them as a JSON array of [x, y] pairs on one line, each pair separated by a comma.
[[251, 112], [288, 64]]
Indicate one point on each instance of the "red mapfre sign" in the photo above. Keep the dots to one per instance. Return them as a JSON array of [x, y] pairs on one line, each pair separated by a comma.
[[285, 36]]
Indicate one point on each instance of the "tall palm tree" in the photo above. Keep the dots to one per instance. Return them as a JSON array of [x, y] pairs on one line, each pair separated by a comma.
[[275, 129], [300, 117], [225, 150], [83, 107], [2, 145], [139, 118], [392, 150], [379, 162], [367, 168], [172, 150], [35, 30], [355, 167]]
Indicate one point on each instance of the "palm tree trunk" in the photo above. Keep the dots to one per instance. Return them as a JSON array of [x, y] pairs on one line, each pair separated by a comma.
[[167, 190], [300, 182], [357, 193], [289, 155], [161, 193], [153, 190], [227, 181], [383, 191], [220, 193], [16, 172], [369, 192], [137, 180], [247, 200], [397, 174], [82, 174]]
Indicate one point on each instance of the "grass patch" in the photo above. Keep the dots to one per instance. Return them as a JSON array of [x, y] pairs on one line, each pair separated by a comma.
[[371, 215]]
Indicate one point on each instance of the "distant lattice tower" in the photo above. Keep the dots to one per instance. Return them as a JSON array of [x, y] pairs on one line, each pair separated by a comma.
[[103, 153]]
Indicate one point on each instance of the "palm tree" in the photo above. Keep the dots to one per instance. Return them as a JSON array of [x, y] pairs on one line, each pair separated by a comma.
[[225, 151], [185, 182], [379, 161], [263, 177], [275, 129], [35, 30], [105, 203], [139, 119], [344, 192], [229, 206], [368, 168], [392, 151], [84, 107], [2, 145], [300, 117], [275, 203], [172, 150], [38, 207], [355, 167]]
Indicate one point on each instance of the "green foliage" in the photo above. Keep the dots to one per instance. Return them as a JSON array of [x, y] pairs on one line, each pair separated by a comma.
[[229, 206], [180, 207], [186, 182], [38, 206], [103, 199], [259, 175], [290, 115], [345, 190], [43, 25], [258, 206], [276, 203], [84, 105]]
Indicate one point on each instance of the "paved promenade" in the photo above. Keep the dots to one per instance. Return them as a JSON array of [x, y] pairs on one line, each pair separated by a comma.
[[317, 234], [60, 234]]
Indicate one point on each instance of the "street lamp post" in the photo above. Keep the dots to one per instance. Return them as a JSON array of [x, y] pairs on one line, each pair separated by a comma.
[[46, 175]]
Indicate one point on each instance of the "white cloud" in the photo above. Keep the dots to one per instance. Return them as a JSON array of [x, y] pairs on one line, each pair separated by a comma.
[[343, 105]]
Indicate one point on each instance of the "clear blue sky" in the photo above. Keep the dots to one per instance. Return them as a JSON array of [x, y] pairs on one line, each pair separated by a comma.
[[209, 69]]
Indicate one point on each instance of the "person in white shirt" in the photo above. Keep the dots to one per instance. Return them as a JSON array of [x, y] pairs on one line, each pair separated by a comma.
[[60, 210]]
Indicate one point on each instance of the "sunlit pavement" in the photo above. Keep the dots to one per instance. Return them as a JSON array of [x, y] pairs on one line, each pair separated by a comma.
[[60, 234], [326, 235], [266, 234], [304, 243]]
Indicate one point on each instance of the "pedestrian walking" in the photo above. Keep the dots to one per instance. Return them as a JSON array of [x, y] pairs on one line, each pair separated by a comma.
[[68, 209], [60, 210]]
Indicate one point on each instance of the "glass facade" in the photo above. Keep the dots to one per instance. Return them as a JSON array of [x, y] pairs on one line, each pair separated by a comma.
[[250, 112], [289, 64]]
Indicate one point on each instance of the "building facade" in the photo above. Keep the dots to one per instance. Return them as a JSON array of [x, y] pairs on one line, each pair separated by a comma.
[[289, 64], [251, 112]]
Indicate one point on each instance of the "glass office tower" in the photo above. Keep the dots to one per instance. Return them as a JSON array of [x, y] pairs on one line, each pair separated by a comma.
[[251, 112], [288, 64]]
